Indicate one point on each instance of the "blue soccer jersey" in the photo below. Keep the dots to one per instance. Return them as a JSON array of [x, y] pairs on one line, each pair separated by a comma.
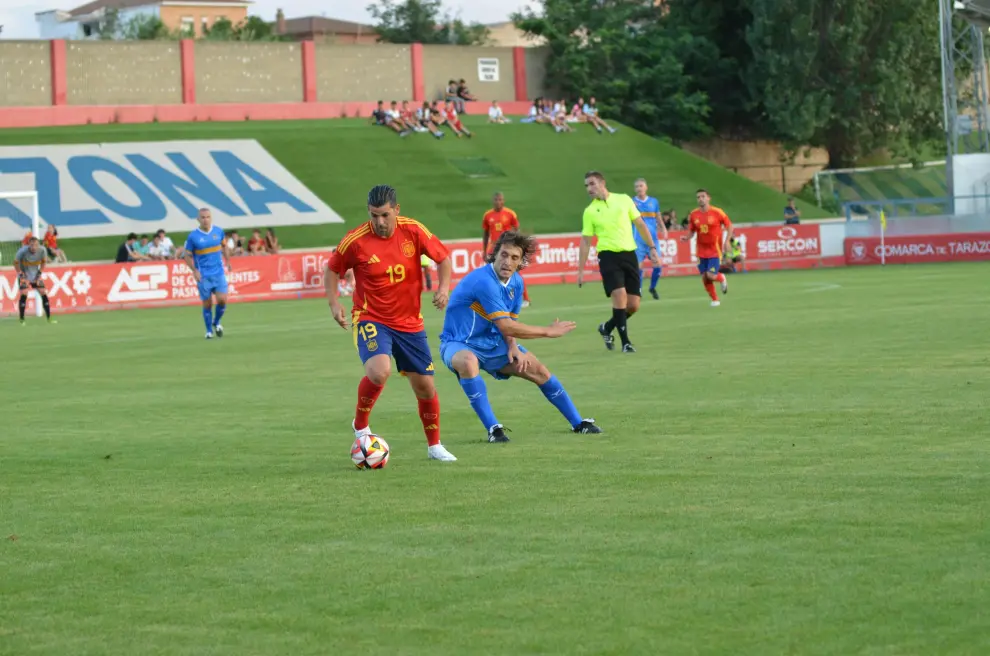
[[476, 303], [649, 209], [207, 251]]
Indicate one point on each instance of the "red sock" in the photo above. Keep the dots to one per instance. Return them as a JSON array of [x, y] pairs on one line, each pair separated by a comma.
[[710, 286], [721, 277], [429, 414], [368, 393]]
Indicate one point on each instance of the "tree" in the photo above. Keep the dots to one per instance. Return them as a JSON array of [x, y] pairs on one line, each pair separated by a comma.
[[852, 76], [144, 27], [629, 58], [423, 21], [109, 26], [718, 60]]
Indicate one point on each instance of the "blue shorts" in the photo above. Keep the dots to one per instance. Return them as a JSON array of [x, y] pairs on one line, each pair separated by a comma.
[[208, 285], [489, 360], [706, 264], [410, 350]]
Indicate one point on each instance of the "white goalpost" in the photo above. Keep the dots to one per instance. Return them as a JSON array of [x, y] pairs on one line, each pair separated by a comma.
[[11, 234]]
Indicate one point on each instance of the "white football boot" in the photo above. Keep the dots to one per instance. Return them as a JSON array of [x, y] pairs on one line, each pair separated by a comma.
[[437, 452], [360, 433]]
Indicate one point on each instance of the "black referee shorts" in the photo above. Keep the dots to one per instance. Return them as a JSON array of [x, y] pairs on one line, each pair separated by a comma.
[[619, 269]]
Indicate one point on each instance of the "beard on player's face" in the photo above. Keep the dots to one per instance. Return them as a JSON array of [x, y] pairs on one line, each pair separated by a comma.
[[383, 220]]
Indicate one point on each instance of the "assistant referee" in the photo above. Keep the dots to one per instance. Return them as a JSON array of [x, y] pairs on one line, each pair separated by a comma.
[[611, 217]]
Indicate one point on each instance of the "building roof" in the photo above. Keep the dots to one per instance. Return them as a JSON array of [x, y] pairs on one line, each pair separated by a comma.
[[321, 25], [97, 5]]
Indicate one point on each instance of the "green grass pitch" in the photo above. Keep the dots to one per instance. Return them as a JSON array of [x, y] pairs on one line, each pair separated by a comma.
[[448, 185], [801, 471]]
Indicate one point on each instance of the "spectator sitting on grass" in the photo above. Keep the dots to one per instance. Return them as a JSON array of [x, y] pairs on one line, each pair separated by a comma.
[[158, 249], [256, 245], [590, 110], [425, 117], [126, 251], [143, 246], [577, 114], [455, 123], [271, 241], [396, 115], [450, 95], [437, 114], [166, 242], [495, 114], [234, 244], [408, 117], [380, 116], [558, 118], [792, 215], [55, 254], [464, 95]]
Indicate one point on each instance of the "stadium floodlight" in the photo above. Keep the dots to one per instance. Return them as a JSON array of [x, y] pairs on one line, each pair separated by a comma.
[[11, 234], [966, 112]]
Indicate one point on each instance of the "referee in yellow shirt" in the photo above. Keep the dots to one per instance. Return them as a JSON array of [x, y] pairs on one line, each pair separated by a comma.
[[611, 217]]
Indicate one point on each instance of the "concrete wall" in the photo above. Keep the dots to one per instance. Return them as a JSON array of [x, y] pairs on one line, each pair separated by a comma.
[[443, 63], [25, 73], [536, 73], [363, 73], [760, 161], [123, 73], [248, 72]]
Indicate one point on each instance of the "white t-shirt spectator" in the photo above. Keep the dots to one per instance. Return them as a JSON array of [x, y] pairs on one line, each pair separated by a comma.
[[495, 113], [159, 250]]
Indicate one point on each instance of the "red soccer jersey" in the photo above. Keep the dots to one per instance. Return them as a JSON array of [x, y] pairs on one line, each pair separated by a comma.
[[388, 277], [708, 226], [498, 221]]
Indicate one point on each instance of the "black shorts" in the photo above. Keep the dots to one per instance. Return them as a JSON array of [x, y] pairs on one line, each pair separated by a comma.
[[25, 285], [619, 270]]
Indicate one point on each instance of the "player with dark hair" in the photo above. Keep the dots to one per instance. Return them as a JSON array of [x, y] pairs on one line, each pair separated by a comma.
[[497, 220], [611, 218], [29, 263], [480, 331], [707, 222], [207, 259], [385, 255]]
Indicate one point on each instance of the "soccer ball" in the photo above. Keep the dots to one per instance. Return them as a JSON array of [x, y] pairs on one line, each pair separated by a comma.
[[369, 452]]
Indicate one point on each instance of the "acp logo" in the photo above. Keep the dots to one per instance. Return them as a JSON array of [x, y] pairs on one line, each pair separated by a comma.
[[140, 283]]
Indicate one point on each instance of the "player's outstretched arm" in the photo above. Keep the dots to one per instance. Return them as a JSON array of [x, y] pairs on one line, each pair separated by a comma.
[[517, 330]]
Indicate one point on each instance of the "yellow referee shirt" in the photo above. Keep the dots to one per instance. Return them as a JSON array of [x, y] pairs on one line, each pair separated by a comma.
[[611, 220]]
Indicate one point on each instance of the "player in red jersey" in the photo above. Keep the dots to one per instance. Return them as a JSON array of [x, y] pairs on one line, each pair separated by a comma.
[[497, 220], [707, 223], [385, 256]]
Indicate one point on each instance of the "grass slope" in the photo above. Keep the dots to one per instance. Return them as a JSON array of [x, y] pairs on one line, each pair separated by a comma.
[[802, 471], [539, 171]]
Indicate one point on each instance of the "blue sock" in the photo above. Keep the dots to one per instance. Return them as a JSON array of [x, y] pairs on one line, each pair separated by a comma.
[[655, 278], [208, 319], [220, 310], [557, 395], [477, 395]]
